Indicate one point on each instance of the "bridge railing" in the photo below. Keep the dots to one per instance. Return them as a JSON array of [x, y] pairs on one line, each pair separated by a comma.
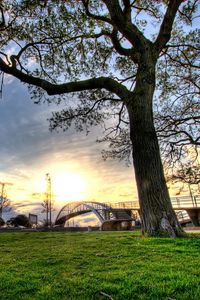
[[127, 204], [185, 201], [177, 202]]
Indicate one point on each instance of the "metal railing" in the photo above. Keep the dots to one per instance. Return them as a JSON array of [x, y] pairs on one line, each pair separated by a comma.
[[177, 202], [185, 202], [126, 205]]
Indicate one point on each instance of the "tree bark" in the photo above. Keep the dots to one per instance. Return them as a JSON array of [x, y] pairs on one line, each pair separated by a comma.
[[157, 214]]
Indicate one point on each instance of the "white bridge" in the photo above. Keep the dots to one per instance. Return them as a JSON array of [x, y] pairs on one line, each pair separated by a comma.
[[121, 214]]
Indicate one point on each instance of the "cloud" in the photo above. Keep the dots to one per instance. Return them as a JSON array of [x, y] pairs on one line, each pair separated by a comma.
[[29, 150]]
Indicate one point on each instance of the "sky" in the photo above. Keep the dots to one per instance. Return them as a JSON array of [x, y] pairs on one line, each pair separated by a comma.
[[29, 150]]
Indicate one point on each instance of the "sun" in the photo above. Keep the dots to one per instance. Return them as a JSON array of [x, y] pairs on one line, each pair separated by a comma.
[[69, 187]]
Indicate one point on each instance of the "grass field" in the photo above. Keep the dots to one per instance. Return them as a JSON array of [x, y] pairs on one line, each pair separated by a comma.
[[97, 265]]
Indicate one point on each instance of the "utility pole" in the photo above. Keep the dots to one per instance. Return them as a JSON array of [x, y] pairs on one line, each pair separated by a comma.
[[48, 200]]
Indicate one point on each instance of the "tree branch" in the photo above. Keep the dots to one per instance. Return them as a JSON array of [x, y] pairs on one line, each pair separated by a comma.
[[166, 26], [127, 9], [188, 138], [2, 23], [95, 17], [58, 40], [124, 25], [57, 89], [69, 115], [118, 47]]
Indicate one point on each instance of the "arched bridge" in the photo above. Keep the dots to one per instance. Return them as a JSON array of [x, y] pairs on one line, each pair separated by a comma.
[[109, 217], [120, 215]]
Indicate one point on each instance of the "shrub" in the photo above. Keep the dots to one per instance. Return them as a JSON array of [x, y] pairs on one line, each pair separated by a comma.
[[21, 220], [2, 222]]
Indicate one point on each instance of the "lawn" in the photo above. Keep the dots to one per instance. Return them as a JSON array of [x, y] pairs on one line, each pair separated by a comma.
[[97, 265]]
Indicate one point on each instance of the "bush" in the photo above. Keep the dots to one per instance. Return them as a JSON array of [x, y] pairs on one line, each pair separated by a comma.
[[21, 220], [2, 222]]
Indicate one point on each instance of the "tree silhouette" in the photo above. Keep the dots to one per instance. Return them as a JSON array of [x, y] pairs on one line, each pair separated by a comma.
[[4, 201]]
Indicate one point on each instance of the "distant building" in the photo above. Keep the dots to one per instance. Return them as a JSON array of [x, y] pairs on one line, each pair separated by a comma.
[[33, 219]]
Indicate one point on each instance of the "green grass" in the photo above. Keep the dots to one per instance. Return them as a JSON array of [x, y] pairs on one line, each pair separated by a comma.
[[82, 265]]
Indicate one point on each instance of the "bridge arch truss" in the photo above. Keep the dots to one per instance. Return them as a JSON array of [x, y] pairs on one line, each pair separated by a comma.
[[104, 212]]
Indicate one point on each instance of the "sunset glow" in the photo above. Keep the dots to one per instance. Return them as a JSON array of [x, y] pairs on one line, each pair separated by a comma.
[[69, 187]]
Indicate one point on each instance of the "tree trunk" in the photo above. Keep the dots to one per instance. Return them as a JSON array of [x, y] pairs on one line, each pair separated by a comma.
[[157, 214]]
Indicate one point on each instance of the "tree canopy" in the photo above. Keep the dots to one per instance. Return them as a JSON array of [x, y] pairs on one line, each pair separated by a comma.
[[52, 40]]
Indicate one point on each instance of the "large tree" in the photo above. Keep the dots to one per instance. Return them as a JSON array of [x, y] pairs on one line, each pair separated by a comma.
[[107, 54]]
